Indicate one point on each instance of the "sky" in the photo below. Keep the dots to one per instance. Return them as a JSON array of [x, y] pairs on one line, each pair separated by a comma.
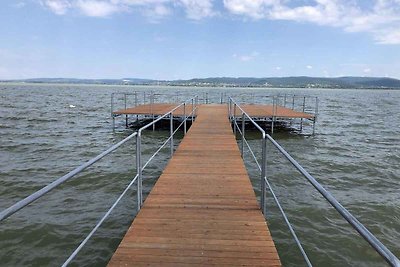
[[182, 39]]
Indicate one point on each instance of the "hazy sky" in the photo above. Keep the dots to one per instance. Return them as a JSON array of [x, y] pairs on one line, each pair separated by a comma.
[[171, 39]]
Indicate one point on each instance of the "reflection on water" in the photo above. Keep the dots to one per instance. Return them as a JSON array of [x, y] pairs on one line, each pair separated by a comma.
[[47, 130]]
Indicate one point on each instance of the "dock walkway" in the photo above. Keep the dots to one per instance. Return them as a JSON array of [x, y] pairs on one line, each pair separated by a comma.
[[202, 210]]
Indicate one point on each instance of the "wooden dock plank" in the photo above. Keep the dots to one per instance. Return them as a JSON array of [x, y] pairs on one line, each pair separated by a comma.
[[202, 210]]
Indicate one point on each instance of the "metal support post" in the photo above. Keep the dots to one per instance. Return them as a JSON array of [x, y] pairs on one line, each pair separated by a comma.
[[301, 120], [171, 125], [152, 111], [206, 97], [315, 114], [184, 118], [293, 103], [126, 115], [136, 99], [234, 120], [273, 114], [192, 110], [229, 110], [112, 110], [139, 170], [263, 173], [243, 128]]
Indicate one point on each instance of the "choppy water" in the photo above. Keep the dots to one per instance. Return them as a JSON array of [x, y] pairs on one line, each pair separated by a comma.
[[355, 154]]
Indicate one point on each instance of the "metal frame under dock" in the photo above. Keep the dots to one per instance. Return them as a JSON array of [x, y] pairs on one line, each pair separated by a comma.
[[287, 112]]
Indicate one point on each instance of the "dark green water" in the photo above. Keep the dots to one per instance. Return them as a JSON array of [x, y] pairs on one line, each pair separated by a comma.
[[355, 154]]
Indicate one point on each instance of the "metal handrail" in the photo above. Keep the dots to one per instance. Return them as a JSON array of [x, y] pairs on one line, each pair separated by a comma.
[[379, 247], [139, 170], [264, 180], [356, 224], [170, 139], [38, 194], [100, 222]]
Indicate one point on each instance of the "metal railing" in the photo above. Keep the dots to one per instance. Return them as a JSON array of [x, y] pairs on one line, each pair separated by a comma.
[[386, 254], [138, 178], [148, 98], [232, 110], [298, 103]]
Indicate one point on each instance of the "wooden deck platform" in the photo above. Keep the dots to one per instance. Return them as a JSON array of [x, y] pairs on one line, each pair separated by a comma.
[[202, 210], [154, 109], [254, 110]]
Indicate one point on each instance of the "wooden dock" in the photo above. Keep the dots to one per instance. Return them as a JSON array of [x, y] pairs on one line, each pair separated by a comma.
[[253, 110], [202, 210], [154, 109]]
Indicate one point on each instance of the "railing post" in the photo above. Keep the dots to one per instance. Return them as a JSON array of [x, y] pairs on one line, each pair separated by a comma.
[[263, 173], [139, 170], [234, 119], [136, 99], [184, 118], [273, 114], [243, 129], [112, 110], [192, 110], [301, 120], [229, 110], [293, 103], [315, 114], [171, 125]]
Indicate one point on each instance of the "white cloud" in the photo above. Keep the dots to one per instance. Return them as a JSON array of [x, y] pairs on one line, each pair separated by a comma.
[[246, 58], [153, 9], [60, 7], [95, 8], [309, 67], [278, 68], [19, 5], [381, 20], [367, 70], [198, 9]]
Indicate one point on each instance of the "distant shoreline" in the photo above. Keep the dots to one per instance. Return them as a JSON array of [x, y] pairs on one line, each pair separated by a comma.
[[304, 82], [193, 86]]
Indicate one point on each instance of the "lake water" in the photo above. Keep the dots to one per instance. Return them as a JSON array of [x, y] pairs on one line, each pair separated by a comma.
[[47, 130]]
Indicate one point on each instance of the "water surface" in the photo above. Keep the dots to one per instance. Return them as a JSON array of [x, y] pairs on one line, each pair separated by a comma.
[[47, 130]]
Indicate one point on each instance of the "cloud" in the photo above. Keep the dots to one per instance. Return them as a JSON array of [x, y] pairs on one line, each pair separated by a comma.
[[367, 70], [198, 9], [60, 7], [278, 68], [19, 4], [95, 8], [309, 67], [246, 58], [381, 20], [153, 9]]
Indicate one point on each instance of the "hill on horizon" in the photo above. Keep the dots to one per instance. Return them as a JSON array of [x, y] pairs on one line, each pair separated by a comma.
[[277, 82]]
